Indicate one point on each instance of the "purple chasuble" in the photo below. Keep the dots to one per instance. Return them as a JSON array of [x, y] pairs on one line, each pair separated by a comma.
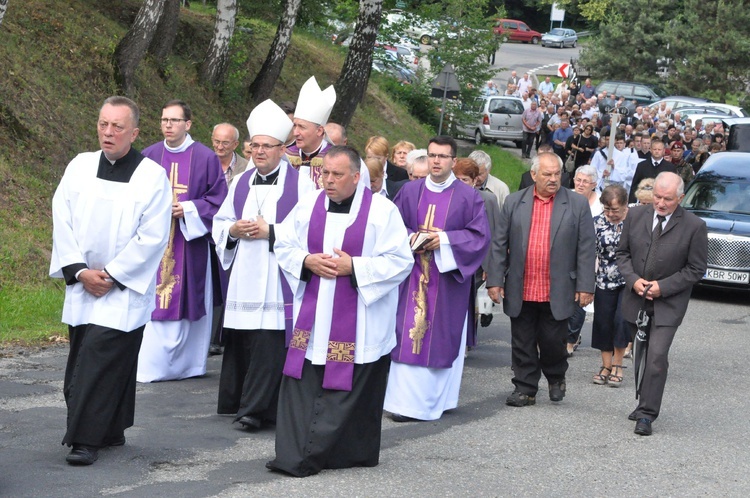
[[314, 161], [204, 185], [285, 204], [432, 305], [339, 368]]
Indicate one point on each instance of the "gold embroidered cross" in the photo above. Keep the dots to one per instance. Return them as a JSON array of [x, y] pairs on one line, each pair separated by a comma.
[[340, 351], [300, 338]]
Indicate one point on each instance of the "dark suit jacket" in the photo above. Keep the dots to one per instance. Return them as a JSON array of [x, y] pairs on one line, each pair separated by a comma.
[[395, 173], [645, 169], [573, 251], [526, 180], [681, 262], [392, 187]]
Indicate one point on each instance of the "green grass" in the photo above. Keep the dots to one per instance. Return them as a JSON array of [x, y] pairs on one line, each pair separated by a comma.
[[31, 314], [505, 165]]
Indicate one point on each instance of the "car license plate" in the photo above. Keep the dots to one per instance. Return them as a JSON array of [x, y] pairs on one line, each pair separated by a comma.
[[504, 128], [737, 277]]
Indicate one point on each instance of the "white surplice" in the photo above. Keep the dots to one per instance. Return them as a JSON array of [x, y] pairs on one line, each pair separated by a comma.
[[121, 226], [254, 298], [385, 262]]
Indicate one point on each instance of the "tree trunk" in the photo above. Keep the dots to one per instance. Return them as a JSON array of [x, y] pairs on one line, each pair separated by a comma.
[[132, 48], [217, 59], [261, 87], [352, 82], [161, 45], [3, 8]]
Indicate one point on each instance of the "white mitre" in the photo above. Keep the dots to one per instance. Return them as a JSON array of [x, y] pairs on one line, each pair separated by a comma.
[[269, 119], [314, 104]]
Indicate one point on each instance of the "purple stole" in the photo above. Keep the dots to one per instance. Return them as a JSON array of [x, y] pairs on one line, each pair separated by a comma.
[[339, 368], [424, 281], [169, 278], [284, 206]]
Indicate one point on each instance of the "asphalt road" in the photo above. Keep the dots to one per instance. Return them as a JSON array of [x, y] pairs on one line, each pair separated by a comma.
[[522, 57], [583, 446]]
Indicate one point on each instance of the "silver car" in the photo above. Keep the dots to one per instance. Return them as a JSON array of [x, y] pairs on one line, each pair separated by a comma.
[[496, 118], [560, 37]]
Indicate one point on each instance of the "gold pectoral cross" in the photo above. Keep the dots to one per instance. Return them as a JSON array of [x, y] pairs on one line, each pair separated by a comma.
[[166, 270], [421, 324]]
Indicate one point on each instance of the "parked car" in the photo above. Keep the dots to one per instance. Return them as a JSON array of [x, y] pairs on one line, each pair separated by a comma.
[[495, 118], [406, 55], [640, 92], [706, 118], [687, 112], [513, 30], [415, 26], [720, 195], [738, 137], [678, 103], [387, 62], [560, 37]]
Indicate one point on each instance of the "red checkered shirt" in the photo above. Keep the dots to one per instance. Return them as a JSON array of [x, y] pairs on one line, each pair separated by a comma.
[[536, 270]]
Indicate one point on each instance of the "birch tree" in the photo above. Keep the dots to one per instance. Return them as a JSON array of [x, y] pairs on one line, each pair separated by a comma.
[[133, 46], [215, 64], [161, 46], [263, 84], [352, 83], [3, 8]]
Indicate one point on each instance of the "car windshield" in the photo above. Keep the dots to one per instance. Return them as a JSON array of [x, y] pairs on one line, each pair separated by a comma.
[[712, 195], [557, 32]]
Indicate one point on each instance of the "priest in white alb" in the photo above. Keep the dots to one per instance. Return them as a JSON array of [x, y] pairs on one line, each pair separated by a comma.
[[111, 215], [258, 312], [344, 252]]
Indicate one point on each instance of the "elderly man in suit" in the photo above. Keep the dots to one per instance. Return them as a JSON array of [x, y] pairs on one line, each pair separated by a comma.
[[536, 223], [666, 247]]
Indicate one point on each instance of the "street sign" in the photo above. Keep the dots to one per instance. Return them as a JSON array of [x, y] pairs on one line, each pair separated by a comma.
[[562, 69], [445, 84]]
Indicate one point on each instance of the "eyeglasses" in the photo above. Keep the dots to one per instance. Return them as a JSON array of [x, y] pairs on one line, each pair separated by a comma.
[[171, 121], [582, 181], [257, 147], [439, 156], [224, 144]]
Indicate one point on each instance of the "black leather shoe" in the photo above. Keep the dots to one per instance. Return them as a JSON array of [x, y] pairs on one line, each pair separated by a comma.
[[215, 349], [632, 416], [82, 455], [402, 418], [249, 422], [643, 427], [518, 398], [557, 391]]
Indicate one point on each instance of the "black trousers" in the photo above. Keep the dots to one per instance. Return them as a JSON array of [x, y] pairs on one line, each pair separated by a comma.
[[251, 371], [99, 386], [320, 428], [538, 346], [528, 142], [655, 375]]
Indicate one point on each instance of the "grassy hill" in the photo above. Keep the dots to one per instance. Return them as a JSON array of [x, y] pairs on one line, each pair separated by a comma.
[[55, 57]]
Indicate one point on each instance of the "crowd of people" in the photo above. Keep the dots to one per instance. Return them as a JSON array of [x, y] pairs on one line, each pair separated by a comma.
[[338, 286]]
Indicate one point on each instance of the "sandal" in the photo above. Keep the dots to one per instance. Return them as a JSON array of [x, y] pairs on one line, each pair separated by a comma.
[[600, 379], [615, 380]]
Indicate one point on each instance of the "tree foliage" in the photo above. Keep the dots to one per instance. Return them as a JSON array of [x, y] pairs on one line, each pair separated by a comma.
[[692, 47]]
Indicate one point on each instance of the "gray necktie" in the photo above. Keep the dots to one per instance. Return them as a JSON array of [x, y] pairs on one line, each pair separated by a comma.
[[653, 250]]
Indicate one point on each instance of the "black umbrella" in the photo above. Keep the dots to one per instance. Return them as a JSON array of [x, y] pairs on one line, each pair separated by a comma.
[[640, 344]]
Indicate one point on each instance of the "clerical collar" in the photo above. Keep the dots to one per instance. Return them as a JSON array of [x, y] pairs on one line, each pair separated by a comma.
[[439, 187], [342, 207], [120, 170], [182, 147], [268, 179], [306, 157]]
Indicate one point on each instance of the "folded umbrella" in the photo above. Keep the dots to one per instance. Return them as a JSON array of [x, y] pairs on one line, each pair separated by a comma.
[[640, 343]]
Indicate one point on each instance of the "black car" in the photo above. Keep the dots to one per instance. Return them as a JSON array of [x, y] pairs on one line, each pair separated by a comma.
[[720, 195], [639, 92]]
